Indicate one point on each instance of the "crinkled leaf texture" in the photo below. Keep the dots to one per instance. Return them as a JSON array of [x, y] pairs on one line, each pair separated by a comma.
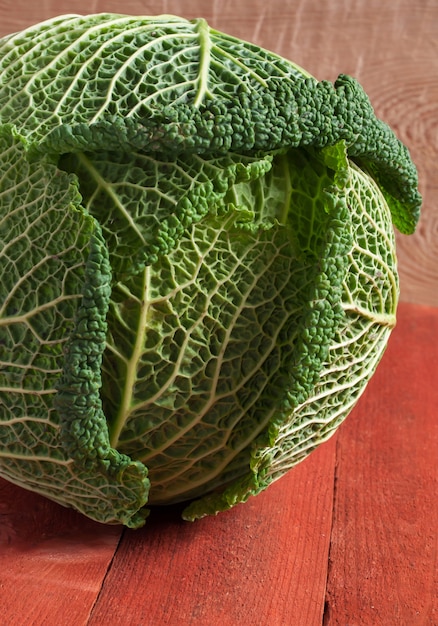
[[197, 258]]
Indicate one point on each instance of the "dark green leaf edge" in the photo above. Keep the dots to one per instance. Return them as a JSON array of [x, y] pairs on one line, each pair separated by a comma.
[[305, 113], [84, 430]]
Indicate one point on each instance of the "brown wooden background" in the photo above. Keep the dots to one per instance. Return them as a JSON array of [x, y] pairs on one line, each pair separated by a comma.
[[350, 536]]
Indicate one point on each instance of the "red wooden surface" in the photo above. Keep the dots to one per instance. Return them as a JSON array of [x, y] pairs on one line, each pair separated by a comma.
[[52, 560], [262, 563], [383, 554], [346, 538]]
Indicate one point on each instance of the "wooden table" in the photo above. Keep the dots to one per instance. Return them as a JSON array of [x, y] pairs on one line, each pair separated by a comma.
[[349, 537]]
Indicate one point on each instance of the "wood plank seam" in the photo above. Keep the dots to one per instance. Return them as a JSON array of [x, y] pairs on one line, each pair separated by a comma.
[[326, 616], [105, 577]]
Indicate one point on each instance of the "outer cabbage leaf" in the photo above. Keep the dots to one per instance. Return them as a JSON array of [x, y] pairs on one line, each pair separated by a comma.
[[368, 302], [144, 203], [54, 272]]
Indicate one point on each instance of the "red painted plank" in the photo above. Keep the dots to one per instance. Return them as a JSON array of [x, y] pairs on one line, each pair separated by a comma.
[[383, 558], [52, 561], [264, 562]]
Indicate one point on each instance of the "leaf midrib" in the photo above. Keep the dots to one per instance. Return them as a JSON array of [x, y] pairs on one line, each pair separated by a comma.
[[130, 377]]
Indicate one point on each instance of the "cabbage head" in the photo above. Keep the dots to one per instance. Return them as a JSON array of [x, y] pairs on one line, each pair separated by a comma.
[[198, 269]]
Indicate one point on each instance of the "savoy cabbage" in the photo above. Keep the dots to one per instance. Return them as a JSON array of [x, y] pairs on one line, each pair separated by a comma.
[[198, 270]]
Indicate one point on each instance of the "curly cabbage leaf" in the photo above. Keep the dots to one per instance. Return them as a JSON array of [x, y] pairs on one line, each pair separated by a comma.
[[198, 262]]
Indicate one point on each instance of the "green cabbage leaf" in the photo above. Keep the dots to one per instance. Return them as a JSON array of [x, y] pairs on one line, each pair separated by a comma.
[[197, 257]]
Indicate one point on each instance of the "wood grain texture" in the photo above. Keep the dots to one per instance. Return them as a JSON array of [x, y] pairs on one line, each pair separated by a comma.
[[52, 560], [390, 47]]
